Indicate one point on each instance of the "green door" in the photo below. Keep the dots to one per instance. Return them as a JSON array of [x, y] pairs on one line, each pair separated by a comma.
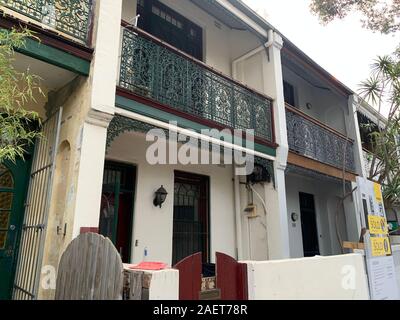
[[13, 183]]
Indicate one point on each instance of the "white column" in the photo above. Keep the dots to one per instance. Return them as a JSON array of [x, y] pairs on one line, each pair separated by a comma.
[[354, 132], [105, 63], [354, 224], [101, 109], [90, 178], [277, 221]]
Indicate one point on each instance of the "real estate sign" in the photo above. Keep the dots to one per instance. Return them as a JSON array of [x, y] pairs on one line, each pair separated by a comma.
[[379, 259]]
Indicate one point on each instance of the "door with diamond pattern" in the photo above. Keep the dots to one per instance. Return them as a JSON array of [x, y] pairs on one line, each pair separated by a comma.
[[13, 185]]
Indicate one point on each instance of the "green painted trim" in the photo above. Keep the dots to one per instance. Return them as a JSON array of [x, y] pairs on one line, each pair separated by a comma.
[[154, 113], [55, 57], [20, 172]]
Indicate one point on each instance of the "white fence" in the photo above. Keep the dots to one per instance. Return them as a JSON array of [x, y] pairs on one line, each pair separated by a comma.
[[334, 278]]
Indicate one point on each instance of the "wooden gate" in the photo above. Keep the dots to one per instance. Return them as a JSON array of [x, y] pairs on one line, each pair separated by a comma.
[[230, 279], [90, 269], [189, 277]]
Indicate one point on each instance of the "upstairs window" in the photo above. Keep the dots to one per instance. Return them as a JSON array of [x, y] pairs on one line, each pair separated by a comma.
[[171, 27]]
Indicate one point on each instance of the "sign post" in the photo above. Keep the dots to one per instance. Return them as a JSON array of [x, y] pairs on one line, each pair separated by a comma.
[[378, 254]]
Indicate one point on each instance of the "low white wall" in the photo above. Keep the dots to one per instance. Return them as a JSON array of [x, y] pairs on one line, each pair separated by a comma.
[[323, 278], [164, 285]]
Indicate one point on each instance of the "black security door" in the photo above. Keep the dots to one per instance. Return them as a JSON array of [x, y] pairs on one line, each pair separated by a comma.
[[309, 225], [191, 218]]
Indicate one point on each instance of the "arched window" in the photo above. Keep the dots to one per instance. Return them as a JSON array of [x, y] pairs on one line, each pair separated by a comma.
[[6, 179], [6, 197]]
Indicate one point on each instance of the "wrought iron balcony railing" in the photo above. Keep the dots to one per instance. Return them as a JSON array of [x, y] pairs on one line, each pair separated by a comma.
[[313, 139], [154, 70], [71, 17]]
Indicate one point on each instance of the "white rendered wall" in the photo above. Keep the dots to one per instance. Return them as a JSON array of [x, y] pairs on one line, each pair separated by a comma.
[[321, 278], [153, 226], [257, 236]]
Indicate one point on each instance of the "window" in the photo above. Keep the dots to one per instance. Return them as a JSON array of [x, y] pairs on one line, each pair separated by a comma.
[[288, 91], [6, 200], [167, 17], [171, 27]]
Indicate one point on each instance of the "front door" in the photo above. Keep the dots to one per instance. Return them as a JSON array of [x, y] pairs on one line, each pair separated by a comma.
[[191, 218], [13, 185], [309, 225], [116, 213]]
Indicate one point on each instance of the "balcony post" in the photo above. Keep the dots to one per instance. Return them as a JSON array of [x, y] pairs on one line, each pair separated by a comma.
[[277, 223], [355, 223], [100, 111], [355, 129]]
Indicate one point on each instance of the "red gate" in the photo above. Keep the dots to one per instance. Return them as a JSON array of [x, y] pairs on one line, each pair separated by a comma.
[[189, 277], [230, 278]]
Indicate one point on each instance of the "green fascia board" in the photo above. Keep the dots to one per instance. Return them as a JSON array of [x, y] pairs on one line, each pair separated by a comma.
[[55, 57], [145, 110]]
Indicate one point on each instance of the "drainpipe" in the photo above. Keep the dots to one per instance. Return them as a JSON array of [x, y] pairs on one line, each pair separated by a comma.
[[253, 52], [238, 216]]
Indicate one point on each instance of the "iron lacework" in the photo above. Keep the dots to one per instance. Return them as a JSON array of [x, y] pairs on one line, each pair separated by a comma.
[[316, 142], [71, 17], [156, 72], [120, 124]]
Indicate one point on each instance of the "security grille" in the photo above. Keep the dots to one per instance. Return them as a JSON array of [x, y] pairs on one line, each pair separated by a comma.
[[191, 221], [37, 205]]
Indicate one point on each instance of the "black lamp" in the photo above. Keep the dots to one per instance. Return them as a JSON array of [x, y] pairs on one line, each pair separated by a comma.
[[160, 196]]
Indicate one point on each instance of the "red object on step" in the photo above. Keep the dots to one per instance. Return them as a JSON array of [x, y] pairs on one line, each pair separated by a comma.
[[150, 266], [89, 230]]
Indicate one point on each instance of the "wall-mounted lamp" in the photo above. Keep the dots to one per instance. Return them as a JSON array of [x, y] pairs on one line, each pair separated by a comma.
[[160, 196], [309, 105], [294, 216]]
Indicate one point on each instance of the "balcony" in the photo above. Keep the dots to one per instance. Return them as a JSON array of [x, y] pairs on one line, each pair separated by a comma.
[[313, 139], [158, 72], [69, 17]]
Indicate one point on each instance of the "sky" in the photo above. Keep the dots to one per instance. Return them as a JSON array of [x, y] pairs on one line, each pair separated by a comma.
[[343, 47]]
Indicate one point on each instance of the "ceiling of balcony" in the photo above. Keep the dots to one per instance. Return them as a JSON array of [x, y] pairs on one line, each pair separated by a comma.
[[306, 73], [52, 76], [221, 14]]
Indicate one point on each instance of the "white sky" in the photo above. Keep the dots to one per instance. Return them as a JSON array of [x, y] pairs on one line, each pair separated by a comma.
[[343, 47]]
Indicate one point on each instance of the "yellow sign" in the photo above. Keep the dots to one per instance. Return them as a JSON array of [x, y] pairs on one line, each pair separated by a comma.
[[377, 225], [378, 192], [380, 246]]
